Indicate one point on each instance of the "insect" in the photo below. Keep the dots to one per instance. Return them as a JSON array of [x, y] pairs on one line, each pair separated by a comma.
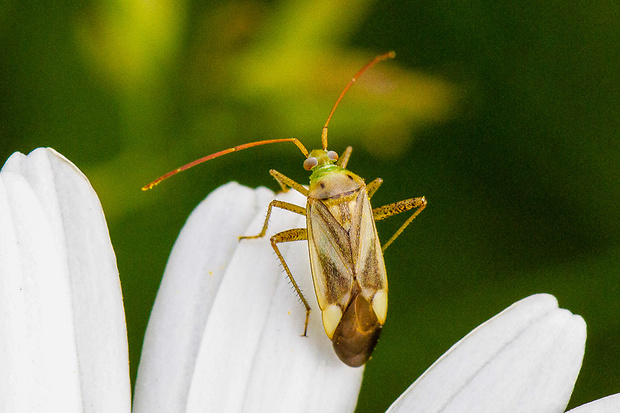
[[346, 257]]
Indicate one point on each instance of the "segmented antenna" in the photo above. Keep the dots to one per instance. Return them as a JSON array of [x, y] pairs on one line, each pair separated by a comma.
[[296, 141], [302, 148], [385, 56]]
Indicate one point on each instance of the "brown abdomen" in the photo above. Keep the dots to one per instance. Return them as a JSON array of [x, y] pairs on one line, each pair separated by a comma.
[[357, 334]]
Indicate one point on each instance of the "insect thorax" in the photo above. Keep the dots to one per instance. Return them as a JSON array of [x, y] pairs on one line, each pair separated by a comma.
[[332, 181]]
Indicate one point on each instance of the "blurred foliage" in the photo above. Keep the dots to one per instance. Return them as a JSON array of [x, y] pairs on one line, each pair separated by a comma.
[[504, 115]]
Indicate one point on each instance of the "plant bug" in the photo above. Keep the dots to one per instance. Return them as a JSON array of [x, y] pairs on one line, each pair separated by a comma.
[[346, 257]]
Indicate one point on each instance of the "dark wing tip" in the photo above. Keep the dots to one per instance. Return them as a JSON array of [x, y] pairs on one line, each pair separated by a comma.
[[357, 334]]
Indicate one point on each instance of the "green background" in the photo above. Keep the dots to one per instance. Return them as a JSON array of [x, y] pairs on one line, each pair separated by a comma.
[[505, 115]]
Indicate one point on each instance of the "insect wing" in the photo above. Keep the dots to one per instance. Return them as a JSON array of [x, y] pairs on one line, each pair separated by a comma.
[[367, 255], [330, 257], [349, 273]]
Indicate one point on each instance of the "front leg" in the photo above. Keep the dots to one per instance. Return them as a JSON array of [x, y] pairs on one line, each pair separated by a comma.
[[396, 208], [372, 187], [344, 159], [286, 182]]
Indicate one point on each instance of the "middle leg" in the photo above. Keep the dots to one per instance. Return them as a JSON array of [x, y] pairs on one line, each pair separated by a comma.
[[397, 208], [278, 204], [290, 235]]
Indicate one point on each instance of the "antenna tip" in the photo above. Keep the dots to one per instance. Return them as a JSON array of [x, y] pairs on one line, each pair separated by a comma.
[[391, 54]]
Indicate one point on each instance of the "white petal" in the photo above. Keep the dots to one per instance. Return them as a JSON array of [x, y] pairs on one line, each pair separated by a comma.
[[191, 280], [64, 342], [37, 350], [240, 348], [609, 404], [525, 359]]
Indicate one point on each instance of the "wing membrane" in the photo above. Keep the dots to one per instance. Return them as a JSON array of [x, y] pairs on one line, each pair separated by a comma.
[[330, 255]]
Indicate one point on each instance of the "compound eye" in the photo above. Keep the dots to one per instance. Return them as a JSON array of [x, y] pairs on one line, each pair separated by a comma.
[[332, 155], [310, 163]]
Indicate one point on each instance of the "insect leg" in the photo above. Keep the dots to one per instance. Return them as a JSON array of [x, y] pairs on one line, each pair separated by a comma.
[[344, 159], [396, 208], [372, 187], [295, 234], [285, 182], [279, 204]]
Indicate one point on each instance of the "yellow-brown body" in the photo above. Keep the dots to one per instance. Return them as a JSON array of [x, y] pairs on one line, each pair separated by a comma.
[[347, 263]]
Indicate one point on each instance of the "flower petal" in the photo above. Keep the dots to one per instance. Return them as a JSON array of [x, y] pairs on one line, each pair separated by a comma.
[[191, 280], [609, 404], [239, 347], [524, 359], [64, 342]]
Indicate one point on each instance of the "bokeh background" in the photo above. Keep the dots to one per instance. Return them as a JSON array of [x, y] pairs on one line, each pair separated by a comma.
[[505, 115]]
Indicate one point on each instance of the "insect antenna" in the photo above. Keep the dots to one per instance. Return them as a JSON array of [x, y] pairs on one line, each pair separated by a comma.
[[385, 56], [296, 141], [302, 148]]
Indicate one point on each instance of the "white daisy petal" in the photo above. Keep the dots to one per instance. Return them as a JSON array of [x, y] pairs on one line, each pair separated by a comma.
[[609, 404], [240, 346], [195, 269], [524, 359], [63, 345]]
